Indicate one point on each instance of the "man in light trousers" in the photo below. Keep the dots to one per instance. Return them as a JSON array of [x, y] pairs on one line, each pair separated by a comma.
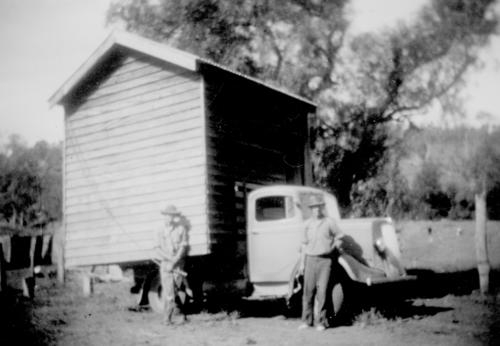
[[321, 236]]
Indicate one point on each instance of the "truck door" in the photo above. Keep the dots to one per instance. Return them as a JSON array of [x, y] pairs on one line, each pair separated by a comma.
[[274, 234]]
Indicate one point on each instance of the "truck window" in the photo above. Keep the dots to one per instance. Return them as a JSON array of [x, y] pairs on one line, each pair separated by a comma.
[[272, 208]]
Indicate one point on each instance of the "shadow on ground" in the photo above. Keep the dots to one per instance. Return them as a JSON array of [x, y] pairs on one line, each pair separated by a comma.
[[392, 301], [16, 325], [430, 284], [398, 300]]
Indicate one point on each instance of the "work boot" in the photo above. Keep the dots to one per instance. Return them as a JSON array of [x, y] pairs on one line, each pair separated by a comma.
[[168, 323], [320, 328], [304, 326]]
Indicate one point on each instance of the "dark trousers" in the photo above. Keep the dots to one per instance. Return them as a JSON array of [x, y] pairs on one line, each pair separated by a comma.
[[316, 283]]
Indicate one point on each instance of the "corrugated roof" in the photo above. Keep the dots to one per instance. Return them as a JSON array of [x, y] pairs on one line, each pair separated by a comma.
[[155, 49]]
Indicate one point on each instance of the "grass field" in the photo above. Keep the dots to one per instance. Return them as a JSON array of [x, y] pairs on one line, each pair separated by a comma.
[[449, 247]]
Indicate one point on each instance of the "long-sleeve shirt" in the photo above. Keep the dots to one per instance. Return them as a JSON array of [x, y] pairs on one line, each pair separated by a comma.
[[172, 242], [319, 236]]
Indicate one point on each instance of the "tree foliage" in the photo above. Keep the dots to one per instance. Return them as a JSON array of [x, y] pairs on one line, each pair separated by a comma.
[[441, 169], [30, 182], [362, 83], [387, 77], [275, 40]]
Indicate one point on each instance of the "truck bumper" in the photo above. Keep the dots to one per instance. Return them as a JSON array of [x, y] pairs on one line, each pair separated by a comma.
[[269, 290]]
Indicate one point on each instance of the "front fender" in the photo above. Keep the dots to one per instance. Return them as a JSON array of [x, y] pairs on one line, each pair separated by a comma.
[[359, 272], [355, 270]]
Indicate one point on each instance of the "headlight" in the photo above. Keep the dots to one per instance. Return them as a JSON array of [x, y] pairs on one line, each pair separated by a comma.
[[380, 245]]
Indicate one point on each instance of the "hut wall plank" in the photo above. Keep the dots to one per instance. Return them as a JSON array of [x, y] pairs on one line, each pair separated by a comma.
[[128, 240], [124, 256], [140, 225], [85, 158], [137, 122], [88, 121], [139, 89], [128, 199], [98, 113], [135, 156], [163, 180]]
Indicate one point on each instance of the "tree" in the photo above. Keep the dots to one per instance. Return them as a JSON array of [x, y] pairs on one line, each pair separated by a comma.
[[49, 172], [483, 166], [278, 41], [19, 186], [382, 78], [30, 183], [361, 83], [429, 195], [469, 159]]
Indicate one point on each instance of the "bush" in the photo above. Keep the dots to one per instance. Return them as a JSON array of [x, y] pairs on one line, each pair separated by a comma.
[[431, 202]]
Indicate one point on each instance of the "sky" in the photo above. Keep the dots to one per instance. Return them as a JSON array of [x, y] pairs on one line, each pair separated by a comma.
[[44, 41]]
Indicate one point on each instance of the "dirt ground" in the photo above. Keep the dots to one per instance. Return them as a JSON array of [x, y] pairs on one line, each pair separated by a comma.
[[443, 307], [60, 315]]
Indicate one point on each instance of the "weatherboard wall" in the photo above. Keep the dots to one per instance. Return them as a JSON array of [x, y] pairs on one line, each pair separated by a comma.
[[134, 142], [255, 137]]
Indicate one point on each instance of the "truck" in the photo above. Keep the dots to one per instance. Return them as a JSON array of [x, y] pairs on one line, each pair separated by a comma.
[[368, 257]]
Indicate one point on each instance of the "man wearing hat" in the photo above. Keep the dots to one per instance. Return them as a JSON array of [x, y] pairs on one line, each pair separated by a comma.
[[172, 249], [321, 236]]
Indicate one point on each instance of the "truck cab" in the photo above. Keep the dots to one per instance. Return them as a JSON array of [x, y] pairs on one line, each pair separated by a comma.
[[275, 218], [369, 254]]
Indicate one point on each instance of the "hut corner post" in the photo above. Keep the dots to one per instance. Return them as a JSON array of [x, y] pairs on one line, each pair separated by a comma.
[[60, 262], [87, 282], [60, 270]]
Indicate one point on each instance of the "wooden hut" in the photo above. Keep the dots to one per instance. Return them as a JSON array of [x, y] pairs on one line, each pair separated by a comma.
[[146, 125]]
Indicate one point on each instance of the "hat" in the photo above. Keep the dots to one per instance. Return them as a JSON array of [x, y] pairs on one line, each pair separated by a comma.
[[315, 201], [170, 210]]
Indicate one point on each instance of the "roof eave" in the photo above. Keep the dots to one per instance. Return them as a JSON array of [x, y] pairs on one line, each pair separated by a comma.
[[157, 50], [257, 81], [123, 39], [82, 71]]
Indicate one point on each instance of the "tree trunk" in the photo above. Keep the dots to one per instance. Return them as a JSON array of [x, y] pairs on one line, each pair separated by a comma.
[[483, 265]]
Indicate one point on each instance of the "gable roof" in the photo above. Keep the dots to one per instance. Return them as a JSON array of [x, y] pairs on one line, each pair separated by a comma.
[[157, 50]]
